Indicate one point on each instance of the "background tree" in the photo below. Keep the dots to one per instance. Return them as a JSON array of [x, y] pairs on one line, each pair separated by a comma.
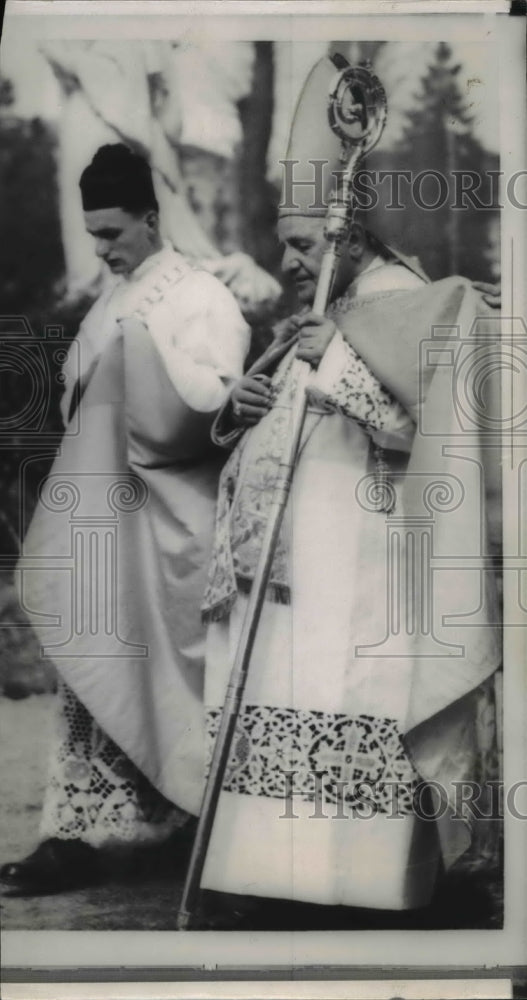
[[33, 266], [438, 136]]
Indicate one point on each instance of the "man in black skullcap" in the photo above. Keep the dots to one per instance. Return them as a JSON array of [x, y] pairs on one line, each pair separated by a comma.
[[152, 363], [120, 208]]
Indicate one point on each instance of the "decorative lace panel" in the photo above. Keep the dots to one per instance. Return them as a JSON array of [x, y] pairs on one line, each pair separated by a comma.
[[252, 506], [277, 752], [241, 514], [221, 590], [94, 791], [359, 395], [349, 300]]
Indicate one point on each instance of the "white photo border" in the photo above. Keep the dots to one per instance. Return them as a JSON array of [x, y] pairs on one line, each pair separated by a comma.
[[199, 953]]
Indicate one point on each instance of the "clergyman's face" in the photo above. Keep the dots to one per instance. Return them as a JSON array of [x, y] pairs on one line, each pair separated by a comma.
[[303, 243], [122, 240]]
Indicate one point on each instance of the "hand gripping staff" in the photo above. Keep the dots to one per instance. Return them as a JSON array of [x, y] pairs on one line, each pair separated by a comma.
[[351, 86]]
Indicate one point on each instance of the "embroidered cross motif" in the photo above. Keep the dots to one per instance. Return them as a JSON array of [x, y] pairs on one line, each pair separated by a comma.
[[280, 750], [348, 760]]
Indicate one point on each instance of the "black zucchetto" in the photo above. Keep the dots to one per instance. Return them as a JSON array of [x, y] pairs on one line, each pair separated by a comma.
[[118, 178]]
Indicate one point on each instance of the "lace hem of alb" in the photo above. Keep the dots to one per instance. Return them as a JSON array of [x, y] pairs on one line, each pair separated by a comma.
[[94, 791]]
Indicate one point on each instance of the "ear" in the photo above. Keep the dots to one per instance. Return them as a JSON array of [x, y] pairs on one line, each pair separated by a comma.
[[152, 220], [356, 241]]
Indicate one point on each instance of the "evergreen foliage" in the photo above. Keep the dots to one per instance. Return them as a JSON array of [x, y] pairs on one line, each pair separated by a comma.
[[438, 136]]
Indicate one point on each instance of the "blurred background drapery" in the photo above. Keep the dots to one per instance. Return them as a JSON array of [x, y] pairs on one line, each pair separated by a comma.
[[213, 119]]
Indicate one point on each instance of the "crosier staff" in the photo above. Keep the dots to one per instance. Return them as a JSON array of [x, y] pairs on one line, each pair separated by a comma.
[[357, 114]]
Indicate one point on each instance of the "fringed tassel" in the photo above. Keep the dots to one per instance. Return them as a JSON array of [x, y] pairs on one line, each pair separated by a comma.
[[384, 490], [277, 593], [218, 611]]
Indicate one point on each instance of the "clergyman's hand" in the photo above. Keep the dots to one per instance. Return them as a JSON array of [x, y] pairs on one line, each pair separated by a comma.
[[251, 399], [314, 335]]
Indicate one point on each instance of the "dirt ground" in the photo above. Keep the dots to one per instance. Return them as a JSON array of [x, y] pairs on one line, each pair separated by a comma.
[[25, 727], [152, 902]]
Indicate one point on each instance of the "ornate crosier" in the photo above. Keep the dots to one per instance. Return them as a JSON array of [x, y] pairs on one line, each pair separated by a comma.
[[356, 112]]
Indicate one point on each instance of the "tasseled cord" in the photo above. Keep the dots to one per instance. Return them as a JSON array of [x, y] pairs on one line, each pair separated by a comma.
[[383, 488]]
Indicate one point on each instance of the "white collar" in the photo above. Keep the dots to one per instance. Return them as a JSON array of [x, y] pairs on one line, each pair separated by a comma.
[[149, 263], [374, 265]]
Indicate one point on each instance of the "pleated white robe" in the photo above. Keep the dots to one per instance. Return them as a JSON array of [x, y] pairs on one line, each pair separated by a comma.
[[322, 694]]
